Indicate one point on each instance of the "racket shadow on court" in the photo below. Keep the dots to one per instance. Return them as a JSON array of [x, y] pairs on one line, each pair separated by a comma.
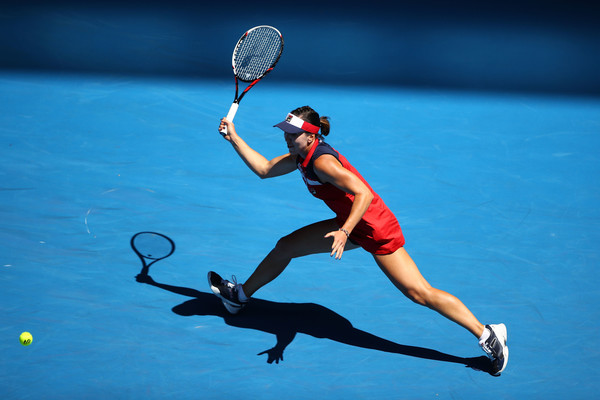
[[151, 247], [284, 320]]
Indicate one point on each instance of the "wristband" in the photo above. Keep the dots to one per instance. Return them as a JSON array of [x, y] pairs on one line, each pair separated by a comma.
[[345, 231]]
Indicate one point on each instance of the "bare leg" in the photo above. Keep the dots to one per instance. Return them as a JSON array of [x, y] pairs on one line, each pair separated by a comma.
[[405, 275], [304, 241]]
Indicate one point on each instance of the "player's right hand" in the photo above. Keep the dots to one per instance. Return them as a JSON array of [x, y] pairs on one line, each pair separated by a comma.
[[144, 278], [225, 123]]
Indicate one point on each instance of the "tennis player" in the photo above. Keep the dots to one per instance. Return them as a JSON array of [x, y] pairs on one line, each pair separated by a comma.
[[362, 220]]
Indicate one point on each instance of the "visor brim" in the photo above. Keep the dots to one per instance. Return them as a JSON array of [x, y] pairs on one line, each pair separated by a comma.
[[288, 128]]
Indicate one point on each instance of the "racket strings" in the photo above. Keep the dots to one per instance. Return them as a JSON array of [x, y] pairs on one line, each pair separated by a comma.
[[258, 51]]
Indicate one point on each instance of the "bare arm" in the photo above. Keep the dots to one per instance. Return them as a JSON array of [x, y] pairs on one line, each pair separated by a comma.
[[329, 170], [254, 160]]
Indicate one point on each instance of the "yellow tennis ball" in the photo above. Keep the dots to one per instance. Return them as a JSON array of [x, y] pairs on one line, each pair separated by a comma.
[[26, 338]]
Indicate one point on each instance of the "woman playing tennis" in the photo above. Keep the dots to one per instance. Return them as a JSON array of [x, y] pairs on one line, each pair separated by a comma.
[[362, 220]]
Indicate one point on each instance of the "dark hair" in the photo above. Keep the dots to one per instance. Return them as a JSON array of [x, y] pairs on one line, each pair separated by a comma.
[[309, 115]]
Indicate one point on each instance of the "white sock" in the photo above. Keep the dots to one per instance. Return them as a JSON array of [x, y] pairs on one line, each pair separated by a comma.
[[241, 295], [485, 335]]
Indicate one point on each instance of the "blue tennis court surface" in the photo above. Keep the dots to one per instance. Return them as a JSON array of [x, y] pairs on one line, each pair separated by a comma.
[[497, 194], [478, 123]]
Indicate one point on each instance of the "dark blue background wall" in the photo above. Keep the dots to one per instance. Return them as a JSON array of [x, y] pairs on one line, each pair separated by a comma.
[[528, 45]]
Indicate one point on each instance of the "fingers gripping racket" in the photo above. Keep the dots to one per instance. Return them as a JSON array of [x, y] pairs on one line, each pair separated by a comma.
[[254, 56]]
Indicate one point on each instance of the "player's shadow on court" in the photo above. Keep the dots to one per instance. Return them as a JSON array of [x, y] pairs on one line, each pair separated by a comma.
[[285, 320]]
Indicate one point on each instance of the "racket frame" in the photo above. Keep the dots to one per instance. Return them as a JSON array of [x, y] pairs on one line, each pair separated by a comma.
[[236, 100]]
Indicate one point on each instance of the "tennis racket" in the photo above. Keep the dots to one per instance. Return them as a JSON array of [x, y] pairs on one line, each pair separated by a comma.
[[254, 56], [150, 248]]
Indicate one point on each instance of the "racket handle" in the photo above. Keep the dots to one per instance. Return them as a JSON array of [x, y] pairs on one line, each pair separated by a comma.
[[230, 116]]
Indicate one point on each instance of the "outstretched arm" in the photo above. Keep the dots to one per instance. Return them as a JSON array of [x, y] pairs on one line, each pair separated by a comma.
[[254, 160], [145, 278]]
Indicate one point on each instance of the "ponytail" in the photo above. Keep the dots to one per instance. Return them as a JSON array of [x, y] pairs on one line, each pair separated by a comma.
[[325, 126]]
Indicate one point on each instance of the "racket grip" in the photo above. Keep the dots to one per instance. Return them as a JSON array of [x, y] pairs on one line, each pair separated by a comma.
[[230, 116]]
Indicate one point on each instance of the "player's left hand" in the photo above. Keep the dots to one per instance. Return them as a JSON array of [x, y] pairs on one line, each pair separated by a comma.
[[339, 243], [274, 354]]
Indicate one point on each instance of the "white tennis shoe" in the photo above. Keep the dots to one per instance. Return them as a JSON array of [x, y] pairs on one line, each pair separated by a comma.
[[227, 291], [496, 348]]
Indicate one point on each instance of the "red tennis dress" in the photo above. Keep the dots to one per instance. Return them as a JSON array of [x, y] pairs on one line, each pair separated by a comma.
[[378, 231]]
